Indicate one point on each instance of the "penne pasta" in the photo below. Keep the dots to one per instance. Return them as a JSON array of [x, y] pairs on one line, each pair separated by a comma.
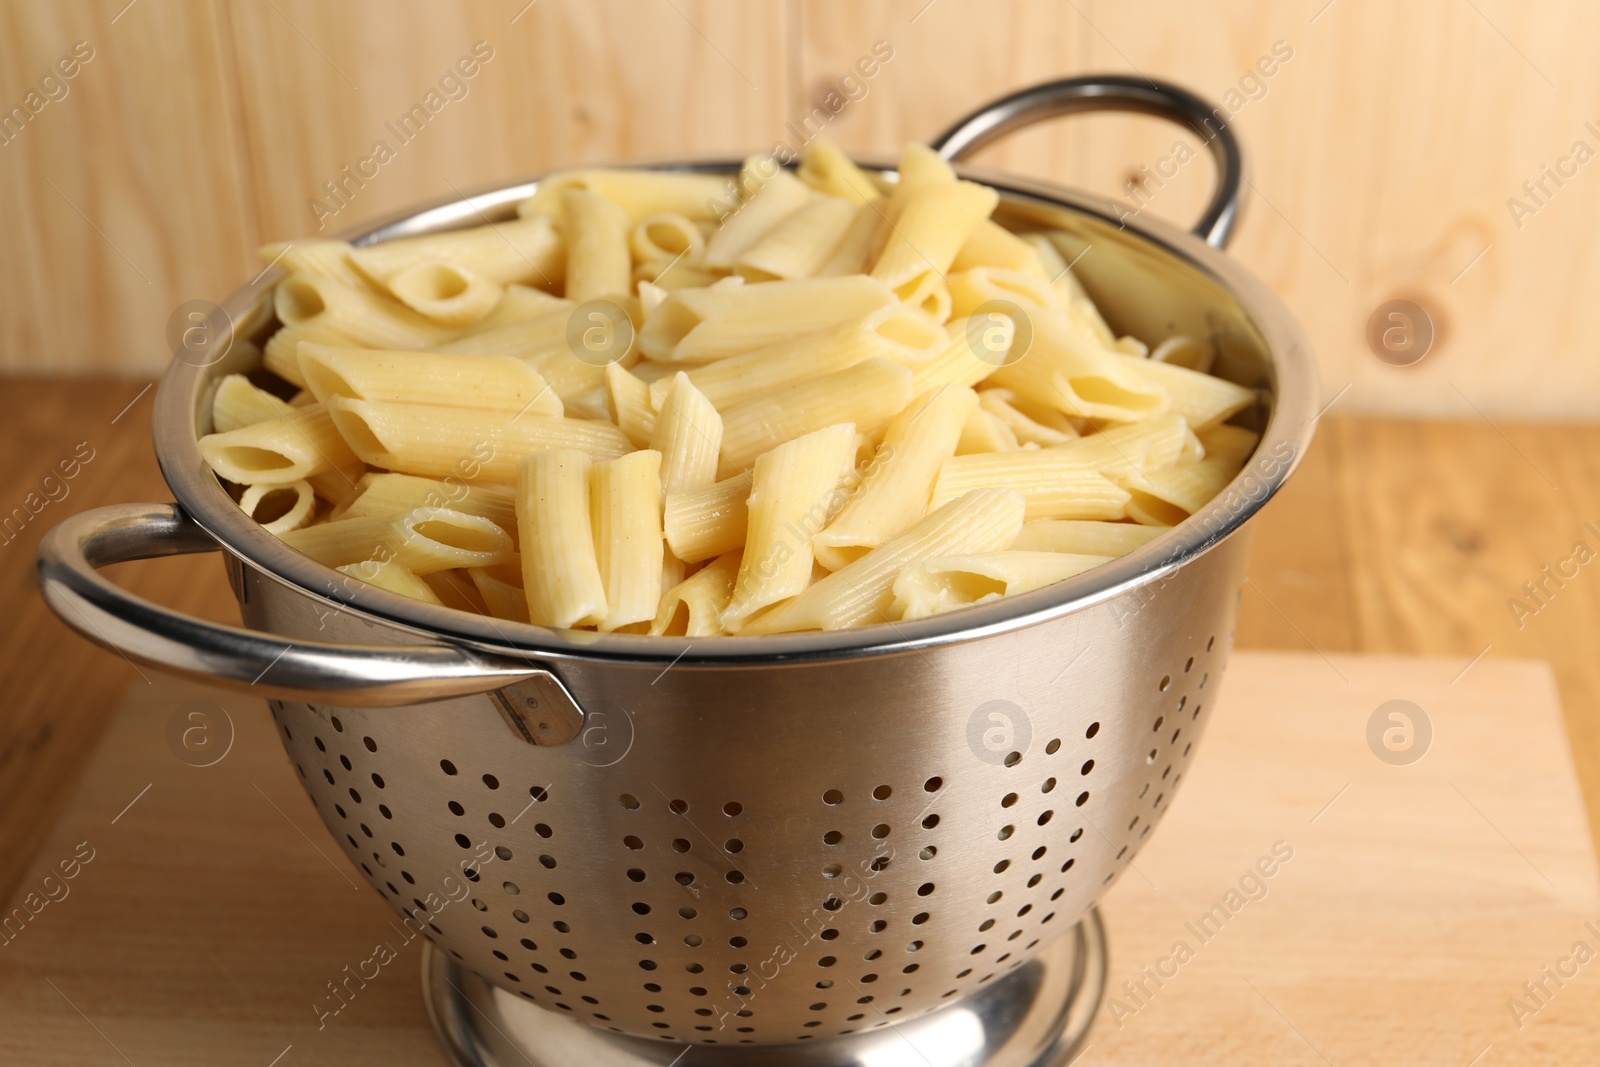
[[792, 497], [384, 493], [294, 447], [707, 522], [1201, 399], [933, 586], [868, 395], [632, 407], [625, 512], [560, 573], [279, 508], [930, 229], [421, 540], [330, 258], [688, 434], [482, 383], [518, 304], [801, 244], [638, 193], [774, 201], [519, 250], [393, 577], [445, 292], [984, 520], [667, 237], [474, 446], [1054, 483], [1085, 537], [598, 261], [370, 319], [1065, 370], [985, 432], [998, 402], [896, 491], [454, 589], [237, 403], [992, 245], [702, 325], [830, 171], [693, 607], [500, 589], [281, 354], [893, 332]]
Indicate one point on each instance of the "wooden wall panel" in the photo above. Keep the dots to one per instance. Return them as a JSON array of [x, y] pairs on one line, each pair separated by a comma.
[[122, 199], [567, 83], [1382, 154]]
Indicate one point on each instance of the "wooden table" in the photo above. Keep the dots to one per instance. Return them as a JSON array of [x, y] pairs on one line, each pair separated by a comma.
[[1395, 537]]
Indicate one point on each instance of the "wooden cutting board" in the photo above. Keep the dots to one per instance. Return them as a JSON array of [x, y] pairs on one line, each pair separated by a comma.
[[1406, 906]]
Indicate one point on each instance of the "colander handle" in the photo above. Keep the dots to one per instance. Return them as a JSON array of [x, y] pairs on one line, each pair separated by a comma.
[[1114, 92], [264, 665]]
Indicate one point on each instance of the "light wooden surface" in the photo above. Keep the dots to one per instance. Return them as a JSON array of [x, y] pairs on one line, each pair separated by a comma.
[[1382, 154], [1415, 902]]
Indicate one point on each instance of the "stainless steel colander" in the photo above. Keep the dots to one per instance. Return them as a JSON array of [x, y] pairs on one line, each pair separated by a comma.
[[747, 841]]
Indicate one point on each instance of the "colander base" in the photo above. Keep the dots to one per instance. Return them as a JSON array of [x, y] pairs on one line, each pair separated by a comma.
[[1038, 1015]]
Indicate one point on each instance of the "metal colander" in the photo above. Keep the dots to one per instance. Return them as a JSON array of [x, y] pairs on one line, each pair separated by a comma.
[[766, 840]]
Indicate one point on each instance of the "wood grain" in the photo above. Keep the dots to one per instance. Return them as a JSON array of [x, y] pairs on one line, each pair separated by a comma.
[[1414, 901]]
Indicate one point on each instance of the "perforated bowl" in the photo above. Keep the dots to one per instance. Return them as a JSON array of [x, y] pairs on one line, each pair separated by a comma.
[[762, 840]]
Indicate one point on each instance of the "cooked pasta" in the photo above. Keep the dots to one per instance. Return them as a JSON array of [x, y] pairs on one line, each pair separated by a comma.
[[704, 405]]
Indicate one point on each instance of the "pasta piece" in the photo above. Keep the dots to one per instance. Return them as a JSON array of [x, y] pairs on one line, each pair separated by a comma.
[[445, 292], [895, 493], [893, 332], [598, 264], [290, 448], [998, 402], [281, 355], [330, 258], [868, 394], [421, 540], [1184, 351], [973, 351], [1066, 370], [992, 245], [688, 434], [702, 523], [830, 171], [371, 320], [471, 445], [1085, 537], [983, 432], [931, 228], [638, 193], [702, 325], [482, 383], [1054, 483], [671, 275], [1175, 492], [1201, 399], [279, 508], [853, 251], [549, 344], [237, 403], [692, 607], [790, 498], [1233, 443], [929, 294], [984, 520], [393, 577], [519, 303], [798, 246], [774, 201], [933, 586], [500, 588], [560, 573], [632, 408], [625, 511], [971, 289], [667, 237], [454, 589], [518, 250], [395, 494]]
